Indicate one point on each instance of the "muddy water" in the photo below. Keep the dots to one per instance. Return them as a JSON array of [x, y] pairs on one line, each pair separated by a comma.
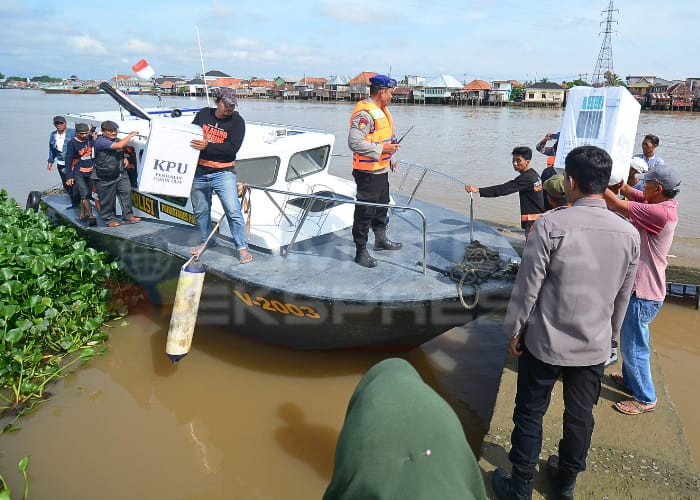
[[241, 420], [675, 337], [234, 419]]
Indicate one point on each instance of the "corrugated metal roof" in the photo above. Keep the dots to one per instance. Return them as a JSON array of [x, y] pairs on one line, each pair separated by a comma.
[[444, 81]]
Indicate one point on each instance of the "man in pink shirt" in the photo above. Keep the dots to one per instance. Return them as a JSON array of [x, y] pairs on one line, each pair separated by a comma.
[[653, 212]]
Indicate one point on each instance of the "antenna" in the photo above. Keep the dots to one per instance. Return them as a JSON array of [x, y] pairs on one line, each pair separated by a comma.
[[604, 64], [201, 58]]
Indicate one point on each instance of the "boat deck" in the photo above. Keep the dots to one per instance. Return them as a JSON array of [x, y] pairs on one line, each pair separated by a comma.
[[323, 267]]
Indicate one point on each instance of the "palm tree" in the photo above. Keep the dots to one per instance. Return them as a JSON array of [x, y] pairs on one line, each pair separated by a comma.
[[612, 80]]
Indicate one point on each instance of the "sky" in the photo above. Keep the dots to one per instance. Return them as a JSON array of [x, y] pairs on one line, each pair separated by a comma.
[[467, 39]]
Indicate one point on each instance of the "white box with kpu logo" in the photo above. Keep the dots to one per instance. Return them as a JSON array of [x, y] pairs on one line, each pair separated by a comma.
[[169, 162], [600, 116]]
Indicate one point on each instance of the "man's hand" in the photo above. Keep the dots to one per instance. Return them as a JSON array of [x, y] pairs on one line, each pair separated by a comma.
[[514, 347], [199, 144], [390, 148], [471, 188], [69, 182], [615, 188], [49, 166]]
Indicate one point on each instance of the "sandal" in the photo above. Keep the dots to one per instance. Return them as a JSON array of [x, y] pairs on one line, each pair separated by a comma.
[[114, 223], [633, 407], [244, 256], [619, 382]]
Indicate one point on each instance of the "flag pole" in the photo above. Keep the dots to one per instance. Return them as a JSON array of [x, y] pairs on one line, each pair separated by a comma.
[[201, 58]]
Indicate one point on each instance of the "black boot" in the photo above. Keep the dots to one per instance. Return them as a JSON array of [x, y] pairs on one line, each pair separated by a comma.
[[564, 484], [509, 487], [363, 257], [384, 243]]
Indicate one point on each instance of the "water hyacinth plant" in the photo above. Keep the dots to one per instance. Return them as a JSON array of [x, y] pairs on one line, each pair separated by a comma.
[[55, 296]]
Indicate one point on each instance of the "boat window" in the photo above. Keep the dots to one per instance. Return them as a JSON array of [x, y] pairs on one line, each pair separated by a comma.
[[307, 162], [258, 171]]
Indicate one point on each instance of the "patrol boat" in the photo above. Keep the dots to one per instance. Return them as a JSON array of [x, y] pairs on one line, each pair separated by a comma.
[[303, 289]]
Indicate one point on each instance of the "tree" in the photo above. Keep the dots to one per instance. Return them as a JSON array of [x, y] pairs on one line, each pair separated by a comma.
[[577, 83], [2, 76], [612, 80]]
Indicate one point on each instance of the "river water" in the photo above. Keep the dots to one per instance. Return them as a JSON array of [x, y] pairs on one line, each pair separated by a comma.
[[237, 419]]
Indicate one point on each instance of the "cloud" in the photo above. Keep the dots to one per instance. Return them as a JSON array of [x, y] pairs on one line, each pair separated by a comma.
[[140, 47], [86, 45]]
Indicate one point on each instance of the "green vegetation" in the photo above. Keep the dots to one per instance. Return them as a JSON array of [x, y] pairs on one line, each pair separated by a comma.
[[22, 467], [55, 296]]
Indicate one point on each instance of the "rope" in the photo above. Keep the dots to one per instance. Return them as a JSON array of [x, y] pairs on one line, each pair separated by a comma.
[[477, 265]]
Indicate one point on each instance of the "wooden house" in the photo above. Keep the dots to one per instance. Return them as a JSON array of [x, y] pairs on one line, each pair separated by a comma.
[[359, 85], [442, 89], [337, 89], [500, 92], [681, 97], [476, 92], [546, 94]]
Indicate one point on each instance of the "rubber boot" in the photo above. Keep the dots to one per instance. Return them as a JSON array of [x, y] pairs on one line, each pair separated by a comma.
[[363, 257], [509, 487], [564, 484], [381, 242]]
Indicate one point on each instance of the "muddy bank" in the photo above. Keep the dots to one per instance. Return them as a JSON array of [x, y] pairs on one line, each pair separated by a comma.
[[643, 456]]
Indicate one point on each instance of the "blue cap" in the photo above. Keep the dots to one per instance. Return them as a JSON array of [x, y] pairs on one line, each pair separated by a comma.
[[382, 81]]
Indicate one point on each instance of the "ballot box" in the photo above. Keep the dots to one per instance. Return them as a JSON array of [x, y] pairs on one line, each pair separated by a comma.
[[169, 162], [600, 116]]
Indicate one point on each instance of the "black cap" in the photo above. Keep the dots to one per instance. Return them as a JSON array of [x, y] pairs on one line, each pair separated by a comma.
[[58, 119], [109, 125], [82, 127]]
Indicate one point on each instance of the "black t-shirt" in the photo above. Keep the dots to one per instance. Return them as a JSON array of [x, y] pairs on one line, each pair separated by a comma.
[[528, 185], [225, 136]]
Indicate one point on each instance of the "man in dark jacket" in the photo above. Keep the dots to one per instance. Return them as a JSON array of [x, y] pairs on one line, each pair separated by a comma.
[[528, 185]]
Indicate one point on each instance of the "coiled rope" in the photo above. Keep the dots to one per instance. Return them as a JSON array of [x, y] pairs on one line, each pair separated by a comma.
[[478, 264]]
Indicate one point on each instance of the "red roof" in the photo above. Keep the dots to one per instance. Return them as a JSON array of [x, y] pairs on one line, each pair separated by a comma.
[[477, 85], [363, 77]]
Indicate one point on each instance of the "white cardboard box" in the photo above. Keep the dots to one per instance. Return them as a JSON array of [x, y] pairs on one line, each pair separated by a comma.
[[169, 162], [605, 117]]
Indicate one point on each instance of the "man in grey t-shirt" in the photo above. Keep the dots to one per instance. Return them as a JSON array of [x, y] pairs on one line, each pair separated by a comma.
[[568, 303]]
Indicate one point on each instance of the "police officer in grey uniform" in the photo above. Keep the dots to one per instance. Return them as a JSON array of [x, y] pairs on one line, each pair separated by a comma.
[[371, 139]]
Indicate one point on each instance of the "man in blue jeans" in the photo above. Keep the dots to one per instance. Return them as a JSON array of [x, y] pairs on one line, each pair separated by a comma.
[[223, 130], [653, 212]]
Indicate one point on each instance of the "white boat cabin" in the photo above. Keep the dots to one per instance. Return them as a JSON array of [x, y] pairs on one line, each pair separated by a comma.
[[281, 158]]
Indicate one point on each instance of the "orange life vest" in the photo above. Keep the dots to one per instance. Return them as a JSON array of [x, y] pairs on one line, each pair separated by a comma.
[[383, 132], [550, 161]]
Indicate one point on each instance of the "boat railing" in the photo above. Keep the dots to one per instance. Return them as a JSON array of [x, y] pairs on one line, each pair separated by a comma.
[[415, 172], [319, 201]]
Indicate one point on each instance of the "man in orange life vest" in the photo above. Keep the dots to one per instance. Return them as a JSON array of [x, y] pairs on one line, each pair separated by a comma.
[[372, 142]]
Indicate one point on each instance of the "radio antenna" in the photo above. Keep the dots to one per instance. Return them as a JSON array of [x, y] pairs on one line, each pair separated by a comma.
[[201, 58]]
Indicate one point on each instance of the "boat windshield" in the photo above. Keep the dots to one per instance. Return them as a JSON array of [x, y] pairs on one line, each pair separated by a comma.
[[258, 171], [307, 162]]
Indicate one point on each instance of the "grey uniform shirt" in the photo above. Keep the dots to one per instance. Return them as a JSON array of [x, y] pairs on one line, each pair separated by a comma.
[[574, 284]]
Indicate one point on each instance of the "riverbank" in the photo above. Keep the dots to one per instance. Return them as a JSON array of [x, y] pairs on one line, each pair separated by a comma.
[[645, 456]]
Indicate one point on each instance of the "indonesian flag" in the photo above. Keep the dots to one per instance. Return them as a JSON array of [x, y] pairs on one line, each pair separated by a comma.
[[143, 69]]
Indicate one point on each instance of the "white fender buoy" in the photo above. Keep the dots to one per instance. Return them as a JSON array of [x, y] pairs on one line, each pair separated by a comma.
[[184, 315]]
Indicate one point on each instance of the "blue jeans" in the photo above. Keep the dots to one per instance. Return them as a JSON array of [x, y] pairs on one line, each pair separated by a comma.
[[634, 345], [224, 185]]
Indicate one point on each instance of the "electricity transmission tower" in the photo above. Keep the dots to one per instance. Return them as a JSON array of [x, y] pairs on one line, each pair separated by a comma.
[[605, 57]]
